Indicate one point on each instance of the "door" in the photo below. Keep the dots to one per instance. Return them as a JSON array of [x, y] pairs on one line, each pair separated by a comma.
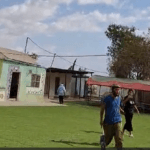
[[57, 83], [14, 85]]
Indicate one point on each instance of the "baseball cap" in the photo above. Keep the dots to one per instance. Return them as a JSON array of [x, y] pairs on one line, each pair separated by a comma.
[[115, 86]]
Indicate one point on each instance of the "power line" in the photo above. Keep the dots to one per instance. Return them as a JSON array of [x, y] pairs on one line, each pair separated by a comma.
[[72, 56], [40, 47], [63, 58], [59, 55], [62, 55]]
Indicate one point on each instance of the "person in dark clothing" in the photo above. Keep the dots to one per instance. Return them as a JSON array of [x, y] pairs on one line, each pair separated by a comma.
[[129, 105]]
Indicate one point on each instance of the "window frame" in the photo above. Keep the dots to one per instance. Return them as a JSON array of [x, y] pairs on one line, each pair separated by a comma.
[[35, 80]]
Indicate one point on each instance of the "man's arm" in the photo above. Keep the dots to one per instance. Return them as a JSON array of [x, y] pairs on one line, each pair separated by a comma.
[[136, 109], [121, 111], [102, 109]]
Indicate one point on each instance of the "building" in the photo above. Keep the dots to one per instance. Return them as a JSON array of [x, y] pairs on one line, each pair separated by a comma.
[[79, 86], [21, 79], [55, 76]]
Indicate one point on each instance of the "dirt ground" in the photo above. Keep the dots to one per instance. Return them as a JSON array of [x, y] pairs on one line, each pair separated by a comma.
[[46, 102]]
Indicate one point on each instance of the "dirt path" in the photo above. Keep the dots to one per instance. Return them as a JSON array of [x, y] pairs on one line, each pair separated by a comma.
[[15, 103], [46, 102]]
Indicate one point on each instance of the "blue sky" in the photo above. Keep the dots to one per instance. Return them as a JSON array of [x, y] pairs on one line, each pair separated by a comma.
[[69, 27]]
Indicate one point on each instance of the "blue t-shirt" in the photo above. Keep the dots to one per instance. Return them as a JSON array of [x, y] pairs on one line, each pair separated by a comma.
[[112, 109]]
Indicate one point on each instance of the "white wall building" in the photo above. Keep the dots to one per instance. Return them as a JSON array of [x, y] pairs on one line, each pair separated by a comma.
[[56, 76]]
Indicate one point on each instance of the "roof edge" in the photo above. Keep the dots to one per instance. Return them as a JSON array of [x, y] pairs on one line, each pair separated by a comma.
[[22, 62]]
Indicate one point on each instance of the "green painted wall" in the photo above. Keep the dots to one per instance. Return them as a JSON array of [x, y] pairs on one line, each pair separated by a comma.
[[1, 66], [25, 81]]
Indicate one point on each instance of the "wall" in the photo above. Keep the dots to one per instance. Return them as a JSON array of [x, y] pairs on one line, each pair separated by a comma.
[[97, 90], [73, 82], [1, 66], [2, 94], [144, 97], [82, 86], [62, 80], [25, 92]]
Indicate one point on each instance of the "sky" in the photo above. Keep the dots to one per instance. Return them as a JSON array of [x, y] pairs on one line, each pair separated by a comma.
[[69, 27]]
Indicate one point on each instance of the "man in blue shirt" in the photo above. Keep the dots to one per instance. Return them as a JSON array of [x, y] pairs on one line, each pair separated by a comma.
[[112, 120]]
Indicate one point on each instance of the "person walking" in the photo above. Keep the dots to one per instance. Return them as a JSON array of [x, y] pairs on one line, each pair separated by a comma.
[[129, 105], [112, 120], [61, 93]]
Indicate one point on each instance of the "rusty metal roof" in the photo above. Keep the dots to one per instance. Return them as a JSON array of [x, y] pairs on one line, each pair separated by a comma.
[[16, 55]]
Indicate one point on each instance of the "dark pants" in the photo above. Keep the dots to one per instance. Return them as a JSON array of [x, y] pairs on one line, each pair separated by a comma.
[[111, 131], [61, 99], [128, 124]]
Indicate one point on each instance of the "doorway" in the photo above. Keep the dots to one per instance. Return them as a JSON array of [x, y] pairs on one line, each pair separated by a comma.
[[57, 83], [14, 85]]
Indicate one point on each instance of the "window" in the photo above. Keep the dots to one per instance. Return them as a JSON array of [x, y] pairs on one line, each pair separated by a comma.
[[35, 82]]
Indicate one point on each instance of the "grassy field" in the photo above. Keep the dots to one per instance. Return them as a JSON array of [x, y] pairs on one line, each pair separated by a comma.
[[76, 125]]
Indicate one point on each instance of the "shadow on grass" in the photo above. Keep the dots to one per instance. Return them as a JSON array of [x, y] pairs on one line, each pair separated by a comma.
[[92, 132], [85, 103], [71, 143]]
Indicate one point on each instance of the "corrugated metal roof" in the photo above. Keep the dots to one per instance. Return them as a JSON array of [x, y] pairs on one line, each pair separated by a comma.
[[123, 83], [16, 55], [125, 80]]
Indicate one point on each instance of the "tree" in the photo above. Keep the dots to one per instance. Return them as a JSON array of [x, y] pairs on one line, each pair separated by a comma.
[[130, 54]]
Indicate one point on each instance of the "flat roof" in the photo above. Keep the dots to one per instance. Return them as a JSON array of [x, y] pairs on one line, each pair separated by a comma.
[[67, 71]]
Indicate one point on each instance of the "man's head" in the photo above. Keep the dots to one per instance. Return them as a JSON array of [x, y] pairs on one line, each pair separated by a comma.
[[115, 90]]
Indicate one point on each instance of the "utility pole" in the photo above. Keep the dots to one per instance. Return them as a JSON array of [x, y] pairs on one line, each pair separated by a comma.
[[50, 76], [53, 60], [26, 44], [74, 64], [72, 67]]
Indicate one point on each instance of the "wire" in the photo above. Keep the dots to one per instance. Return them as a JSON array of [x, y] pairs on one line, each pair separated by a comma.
[[73, 56], [61, 55], [67, 61], [40, 47], [63, 58]]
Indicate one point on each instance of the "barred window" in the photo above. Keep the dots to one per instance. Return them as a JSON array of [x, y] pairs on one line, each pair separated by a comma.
[[35, 82]]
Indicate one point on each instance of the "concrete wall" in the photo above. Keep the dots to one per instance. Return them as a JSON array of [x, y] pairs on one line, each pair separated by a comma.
[[2, 94], [51, 77], [97, 90], [82, 86], [1, 66], [73, 82], [25, 91]]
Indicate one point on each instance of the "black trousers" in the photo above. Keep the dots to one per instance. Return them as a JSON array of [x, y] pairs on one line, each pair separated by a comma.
[[128, 124], [61, 99]]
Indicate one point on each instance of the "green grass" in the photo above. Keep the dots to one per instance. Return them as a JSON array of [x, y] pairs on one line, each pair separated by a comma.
[[76, 125]]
